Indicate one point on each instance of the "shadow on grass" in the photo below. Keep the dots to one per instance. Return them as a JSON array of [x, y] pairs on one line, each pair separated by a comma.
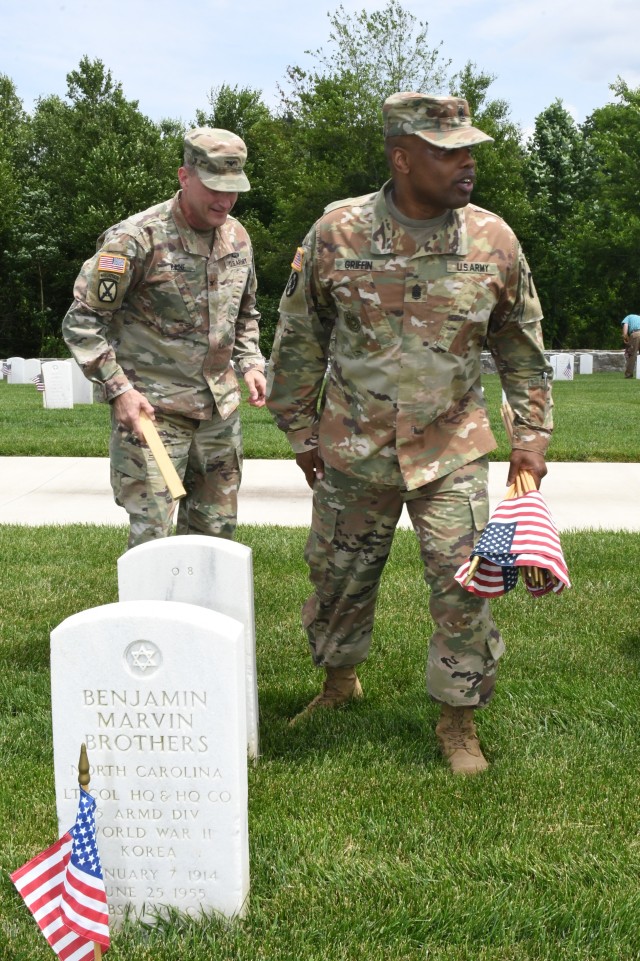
[[629, 645], [402, 730]]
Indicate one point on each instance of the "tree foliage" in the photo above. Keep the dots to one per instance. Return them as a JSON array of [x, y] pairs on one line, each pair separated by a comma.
[[79, 163]]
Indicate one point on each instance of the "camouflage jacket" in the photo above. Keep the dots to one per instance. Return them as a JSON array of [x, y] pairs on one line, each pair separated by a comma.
[[156, 309], [404, 328]]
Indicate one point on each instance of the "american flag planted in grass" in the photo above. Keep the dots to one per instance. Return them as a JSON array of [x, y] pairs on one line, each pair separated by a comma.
[[520, 533]]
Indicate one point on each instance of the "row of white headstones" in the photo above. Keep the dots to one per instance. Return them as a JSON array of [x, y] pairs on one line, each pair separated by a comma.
[[61, 382], [564, 365], [162, 688], [65, 385]]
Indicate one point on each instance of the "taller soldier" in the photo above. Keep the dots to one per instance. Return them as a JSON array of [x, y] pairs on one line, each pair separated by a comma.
[[403, 287], [160, 312]]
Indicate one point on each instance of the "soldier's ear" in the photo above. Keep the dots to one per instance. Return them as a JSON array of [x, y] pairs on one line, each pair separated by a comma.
[[399, 160]]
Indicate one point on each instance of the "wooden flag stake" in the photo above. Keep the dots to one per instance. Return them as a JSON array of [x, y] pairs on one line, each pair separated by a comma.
[[83, 781], [163, 460]]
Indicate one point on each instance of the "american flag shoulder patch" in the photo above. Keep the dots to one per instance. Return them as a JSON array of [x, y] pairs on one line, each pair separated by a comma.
[[112, 263], [296, 263]]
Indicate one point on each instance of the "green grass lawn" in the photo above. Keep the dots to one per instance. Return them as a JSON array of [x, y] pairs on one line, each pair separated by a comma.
[[593, 416], [363, 848]]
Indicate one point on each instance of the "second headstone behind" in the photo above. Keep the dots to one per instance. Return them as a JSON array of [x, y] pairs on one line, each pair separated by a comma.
[[208, 571]]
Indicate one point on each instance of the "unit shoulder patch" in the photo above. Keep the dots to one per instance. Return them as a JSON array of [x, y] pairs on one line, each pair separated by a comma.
[[107, 291]]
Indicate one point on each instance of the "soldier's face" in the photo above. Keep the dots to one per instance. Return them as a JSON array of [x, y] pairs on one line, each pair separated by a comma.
[[202, 207], [439, 180]]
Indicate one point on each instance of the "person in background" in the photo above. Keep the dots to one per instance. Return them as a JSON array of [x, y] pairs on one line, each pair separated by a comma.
[[400, 289], [631, 339], [161, 313]]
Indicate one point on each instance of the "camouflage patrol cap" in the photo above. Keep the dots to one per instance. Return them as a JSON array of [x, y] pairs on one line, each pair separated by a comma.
[[443, 121], [218, 156]]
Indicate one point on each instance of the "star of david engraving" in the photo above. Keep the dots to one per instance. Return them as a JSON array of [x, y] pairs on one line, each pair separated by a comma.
[[143, 658]]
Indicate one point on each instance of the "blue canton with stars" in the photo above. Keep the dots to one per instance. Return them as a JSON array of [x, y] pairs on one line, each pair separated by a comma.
[[84, 855], [495, 546]]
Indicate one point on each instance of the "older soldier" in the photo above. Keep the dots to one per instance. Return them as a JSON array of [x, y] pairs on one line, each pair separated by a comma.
[[403, 286], [160, 311]]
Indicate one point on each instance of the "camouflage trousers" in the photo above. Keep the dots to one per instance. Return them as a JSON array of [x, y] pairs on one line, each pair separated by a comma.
[[352, 530], [207, 455]]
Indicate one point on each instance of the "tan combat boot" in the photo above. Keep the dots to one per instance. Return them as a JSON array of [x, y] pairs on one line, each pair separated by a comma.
[[456, 731], [341, 685]]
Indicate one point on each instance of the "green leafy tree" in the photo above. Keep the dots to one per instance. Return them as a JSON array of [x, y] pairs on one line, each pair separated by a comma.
[[94, 159], [501, 166], [335, 109], [13, 165], [559, 173], [608, 229]]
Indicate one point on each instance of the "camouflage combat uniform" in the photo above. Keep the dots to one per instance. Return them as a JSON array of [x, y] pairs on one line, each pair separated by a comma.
[[402, 418], [157, 310]]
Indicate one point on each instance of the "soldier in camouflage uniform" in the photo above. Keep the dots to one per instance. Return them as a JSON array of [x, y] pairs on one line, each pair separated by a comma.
[[160, 312], [400, 289]]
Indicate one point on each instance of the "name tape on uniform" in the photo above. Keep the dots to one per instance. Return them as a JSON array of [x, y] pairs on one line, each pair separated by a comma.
[[342, 264]]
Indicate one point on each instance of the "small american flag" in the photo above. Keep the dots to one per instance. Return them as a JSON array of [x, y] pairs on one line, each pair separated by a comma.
[[520, 533], [64, 889], [6, 368], [115, 265], [568, 371], [38, 380], [296, 263]]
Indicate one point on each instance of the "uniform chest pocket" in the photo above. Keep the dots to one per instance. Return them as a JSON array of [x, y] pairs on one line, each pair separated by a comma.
[[459, 310], [173, 302], [231, 287], [363, 324]]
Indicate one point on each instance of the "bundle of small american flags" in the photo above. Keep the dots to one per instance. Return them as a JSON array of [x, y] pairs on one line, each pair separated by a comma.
[[520, 534], [64, 890]]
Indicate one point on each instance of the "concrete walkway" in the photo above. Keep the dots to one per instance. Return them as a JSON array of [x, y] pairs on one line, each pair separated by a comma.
[[67, 490]]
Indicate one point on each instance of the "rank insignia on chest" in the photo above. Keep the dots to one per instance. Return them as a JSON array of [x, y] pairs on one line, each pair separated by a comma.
[[107, 291], [112, 263]]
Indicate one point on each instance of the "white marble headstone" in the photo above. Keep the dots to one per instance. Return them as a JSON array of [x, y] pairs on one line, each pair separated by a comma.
[[586, 363], [156, 692], [16, 374], [82, 388], [31, 369], [58, 388], [563, 366], [209, 571]]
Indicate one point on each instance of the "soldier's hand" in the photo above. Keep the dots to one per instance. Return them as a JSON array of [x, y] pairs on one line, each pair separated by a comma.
[[127, 409], [257, 384], [526, 460], [311, 465]]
